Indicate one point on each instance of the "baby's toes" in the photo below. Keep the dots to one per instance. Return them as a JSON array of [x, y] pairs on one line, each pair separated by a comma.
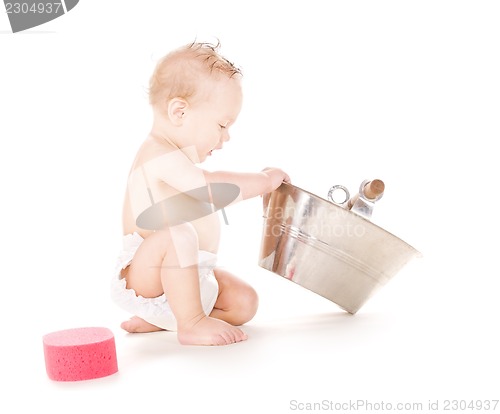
[[239, 335]]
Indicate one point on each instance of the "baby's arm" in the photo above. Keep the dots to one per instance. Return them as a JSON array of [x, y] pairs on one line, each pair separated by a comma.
[[176, 170], [250, 184]]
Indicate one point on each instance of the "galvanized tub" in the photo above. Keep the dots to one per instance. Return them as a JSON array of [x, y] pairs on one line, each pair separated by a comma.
[[329, 250]]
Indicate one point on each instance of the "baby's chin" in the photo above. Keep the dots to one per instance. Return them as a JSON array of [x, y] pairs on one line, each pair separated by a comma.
[[207, 155], [203, 157]]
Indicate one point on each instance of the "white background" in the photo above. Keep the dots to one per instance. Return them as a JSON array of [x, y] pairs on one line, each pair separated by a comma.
[[335, 92]]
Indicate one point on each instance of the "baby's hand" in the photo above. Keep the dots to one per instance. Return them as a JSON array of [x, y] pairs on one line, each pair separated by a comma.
[[276, 177]]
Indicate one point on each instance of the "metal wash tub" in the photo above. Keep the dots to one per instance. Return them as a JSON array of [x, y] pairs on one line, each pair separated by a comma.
[[331, 251]]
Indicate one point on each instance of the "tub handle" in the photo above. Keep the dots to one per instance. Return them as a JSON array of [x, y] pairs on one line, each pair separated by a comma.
[[337, 189]]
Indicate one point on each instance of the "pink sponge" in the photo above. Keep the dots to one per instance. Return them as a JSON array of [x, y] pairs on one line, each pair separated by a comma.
[[80, 354]]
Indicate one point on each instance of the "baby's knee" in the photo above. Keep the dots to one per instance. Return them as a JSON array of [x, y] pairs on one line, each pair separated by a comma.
[[180, 244], [248, 301], [183, 236]]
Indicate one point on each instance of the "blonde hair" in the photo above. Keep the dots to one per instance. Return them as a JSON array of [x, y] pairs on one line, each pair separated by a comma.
[[180, 73]]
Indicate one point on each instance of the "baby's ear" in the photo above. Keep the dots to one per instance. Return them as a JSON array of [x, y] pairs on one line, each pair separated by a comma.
[[176, 109]]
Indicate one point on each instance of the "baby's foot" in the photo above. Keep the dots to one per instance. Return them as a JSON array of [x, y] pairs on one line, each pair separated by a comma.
[[210, 331], [138, 325]]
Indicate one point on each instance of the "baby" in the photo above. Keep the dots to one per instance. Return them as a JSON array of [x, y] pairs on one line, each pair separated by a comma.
[[167, 275]]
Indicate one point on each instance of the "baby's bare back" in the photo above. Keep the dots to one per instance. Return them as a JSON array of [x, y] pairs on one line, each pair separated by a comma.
[[159, 193]]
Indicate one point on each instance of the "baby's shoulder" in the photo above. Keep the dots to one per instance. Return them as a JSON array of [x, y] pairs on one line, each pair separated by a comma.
[[151, 153], [162, 161]]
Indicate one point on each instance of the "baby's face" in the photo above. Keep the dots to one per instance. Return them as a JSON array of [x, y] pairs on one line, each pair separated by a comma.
[[207, 122]]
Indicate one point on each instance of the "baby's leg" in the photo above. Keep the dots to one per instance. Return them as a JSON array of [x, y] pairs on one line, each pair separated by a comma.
[[237, 302], [167, 261], [181, 284]]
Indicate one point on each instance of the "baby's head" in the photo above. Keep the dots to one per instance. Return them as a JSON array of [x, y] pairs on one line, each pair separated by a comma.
[[198, 92], [181, 73]]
